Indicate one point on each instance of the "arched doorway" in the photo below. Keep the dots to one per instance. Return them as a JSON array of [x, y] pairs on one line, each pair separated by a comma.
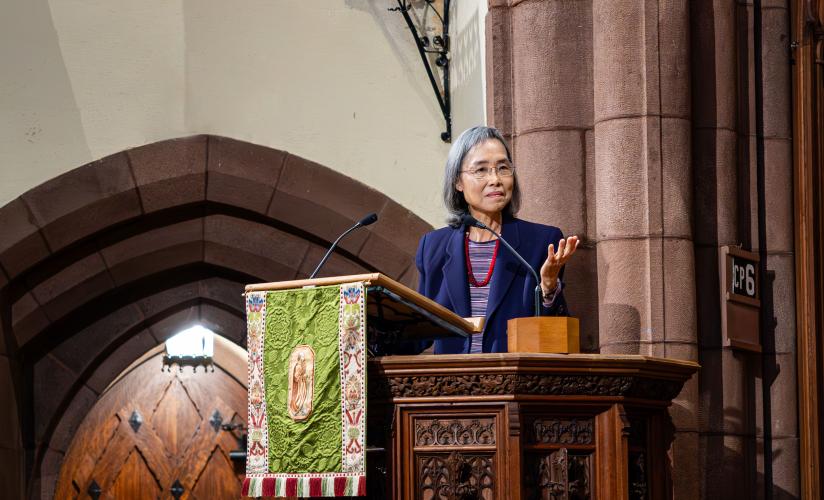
[[103, 263], [155, 433]]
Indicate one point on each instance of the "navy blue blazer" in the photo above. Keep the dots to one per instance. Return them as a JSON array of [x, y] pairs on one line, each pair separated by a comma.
[[441, 262]]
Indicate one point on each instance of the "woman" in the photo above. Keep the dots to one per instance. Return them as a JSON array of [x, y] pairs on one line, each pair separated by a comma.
[[464, 270]]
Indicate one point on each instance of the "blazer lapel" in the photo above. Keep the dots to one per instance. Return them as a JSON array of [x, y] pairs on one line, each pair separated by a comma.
[[506, 267], [454, 270]]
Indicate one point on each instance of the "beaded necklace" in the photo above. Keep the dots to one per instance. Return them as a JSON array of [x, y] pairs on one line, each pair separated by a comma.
[[469, 273]]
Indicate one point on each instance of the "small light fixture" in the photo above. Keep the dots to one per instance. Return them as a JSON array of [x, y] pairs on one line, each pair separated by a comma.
[[193, 347]]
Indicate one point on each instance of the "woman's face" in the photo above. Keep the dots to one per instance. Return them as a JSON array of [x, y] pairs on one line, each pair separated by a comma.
[[490, 194]]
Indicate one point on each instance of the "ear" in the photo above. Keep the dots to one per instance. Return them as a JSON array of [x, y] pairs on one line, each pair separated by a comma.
[[459, 185]]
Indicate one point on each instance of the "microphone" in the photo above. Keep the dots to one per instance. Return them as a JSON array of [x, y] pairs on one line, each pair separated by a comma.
[[369, 219], [468, 220]]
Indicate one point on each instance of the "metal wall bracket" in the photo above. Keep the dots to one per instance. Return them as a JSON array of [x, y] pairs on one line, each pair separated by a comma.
[[436, 46]]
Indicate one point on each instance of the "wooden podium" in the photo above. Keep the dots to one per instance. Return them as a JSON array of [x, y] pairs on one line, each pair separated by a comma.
[[510, 425]]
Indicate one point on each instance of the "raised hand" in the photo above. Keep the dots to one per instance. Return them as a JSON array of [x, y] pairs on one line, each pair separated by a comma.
[[555, 261]]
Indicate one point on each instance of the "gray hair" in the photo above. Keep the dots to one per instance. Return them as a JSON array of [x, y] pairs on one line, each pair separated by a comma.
[[454, 200]]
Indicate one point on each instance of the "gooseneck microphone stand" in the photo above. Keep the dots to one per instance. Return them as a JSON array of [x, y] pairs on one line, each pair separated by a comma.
[[468, 221], [369, 219]]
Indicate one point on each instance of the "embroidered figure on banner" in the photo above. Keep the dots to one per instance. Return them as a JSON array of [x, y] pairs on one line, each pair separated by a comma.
[[301, 382]]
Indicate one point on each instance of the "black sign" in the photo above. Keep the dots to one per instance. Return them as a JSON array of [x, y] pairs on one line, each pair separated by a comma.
[[744, 277], [739, 314]]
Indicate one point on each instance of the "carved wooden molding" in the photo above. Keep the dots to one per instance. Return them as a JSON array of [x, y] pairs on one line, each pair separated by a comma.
[[455, 432], [562, 431], [528, 384]]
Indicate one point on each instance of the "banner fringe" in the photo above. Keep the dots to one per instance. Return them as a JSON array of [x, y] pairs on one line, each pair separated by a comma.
[[257, 487]]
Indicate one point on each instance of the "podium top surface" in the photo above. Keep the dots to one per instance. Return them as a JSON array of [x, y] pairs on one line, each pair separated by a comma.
[[570, 377], [406, 295], [585, 363]]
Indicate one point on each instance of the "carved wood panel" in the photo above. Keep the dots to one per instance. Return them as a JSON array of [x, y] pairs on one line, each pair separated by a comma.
[[453, 455], [558, 458], [638, 483], [157, 434], [455, 476], [558, 475], [561, 431], [455, 432], [637, 458]]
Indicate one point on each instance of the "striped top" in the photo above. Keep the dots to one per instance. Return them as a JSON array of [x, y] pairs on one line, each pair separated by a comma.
[[480, 257]]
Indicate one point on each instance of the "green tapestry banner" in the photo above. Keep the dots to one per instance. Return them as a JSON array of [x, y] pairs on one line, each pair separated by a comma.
[[307, 383]]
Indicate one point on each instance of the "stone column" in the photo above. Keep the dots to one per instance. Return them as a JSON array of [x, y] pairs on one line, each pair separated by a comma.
[[498, 63], [644, 197], [540, 94]]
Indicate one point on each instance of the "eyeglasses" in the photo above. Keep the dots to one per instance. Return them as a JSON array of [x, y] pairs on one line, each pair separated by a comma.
[[482, 173]]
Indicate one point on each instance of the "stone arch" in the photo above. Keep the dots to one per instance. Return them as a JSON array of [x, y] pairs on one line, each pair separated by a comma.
[[106, 261]]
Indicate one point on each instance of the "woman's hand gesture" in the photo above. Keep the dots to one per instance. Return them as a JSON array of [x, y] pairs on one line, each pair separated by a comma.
[[555, 261]]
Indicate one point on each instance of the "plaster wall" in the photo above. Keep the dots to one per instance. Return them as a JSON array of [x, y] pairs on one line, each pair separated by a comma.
[[338, 82]]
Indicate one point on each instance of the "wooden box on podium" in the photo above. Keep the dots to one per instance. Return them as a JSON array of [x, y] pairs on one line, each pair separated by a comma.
[[546, 334]]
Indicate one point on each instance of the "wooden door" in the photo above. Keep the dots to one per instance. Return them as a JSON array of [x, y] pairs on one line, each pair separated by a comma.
[[157, 434]]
